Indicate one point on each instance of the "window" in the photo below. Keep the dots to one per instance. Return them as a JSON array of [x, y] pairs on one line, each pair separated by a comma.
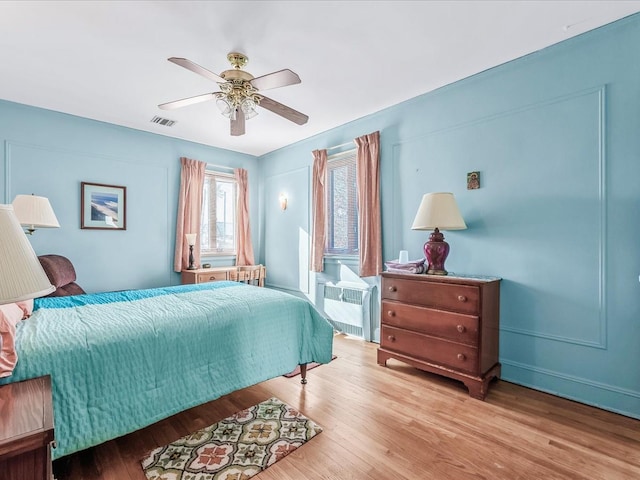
[[219, 203], [342, 204]]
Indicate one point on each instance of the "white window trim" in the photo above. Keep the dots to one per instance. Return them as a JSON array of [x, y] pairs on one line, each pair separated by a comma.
[[214, 253], [338, 256]]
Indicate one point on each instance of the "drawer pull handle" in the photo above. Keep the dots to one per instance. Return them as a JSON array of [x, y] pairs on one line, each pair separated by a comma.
[[392, 313], [392, 288], [461, 328], [462, 357], [462, 298], [212, 278], [391, 338]]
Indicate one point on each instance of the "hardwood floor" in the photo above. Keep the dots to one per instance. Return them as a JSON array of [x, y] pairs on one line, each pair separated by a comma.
[[401, 423]]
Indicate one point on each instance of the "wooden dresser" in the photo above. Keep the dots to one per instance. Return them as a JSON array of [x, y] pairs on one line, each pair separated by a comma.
[[26, 430], [447, 325]]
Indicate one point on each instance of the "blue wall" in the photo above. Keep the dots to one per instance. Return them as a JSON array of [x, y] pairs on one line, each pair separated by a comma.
[[555, 137], [49, 154]]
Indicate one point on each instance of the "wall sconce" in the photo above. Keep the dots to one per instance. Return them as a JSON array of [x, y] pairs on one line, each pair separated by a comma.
[[34, 212], [283, 201]]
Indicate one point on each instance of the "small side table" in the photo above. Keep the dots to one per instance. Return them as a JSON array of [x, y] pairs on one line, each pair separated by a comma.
[[26, 430], [252, 274], [204, 275]]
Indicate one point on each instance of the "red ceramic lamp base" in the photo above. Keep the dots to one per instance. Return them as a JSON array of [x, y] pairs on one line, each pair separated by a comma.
[[436, 251]]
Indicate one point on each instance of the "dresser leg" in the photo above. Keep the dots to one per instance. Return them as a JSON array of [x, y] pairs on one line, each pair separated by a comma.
[[382, 358], [478, 388]]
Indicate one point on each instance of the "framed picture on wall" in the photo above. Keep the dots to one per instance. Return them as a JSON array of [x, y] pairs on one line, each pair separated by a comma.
[[103, 207]]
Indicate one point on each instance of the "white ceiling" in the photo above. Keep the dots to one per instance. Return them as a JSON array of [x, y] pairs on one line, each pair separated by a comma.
[[107, 60]]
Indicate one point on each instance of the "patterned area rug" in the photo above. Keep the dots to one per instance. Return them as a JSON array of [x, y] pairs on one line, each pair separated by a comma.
[[237, 448]]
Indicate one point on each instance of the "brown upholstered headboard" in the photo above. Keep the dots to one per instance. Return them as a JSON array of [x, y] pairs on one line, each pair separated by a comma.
[[61, 274]]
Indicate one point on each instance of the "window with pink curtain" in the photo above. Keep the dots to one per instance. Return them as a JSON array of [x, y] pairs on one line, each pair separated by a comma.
[[219, 214], [189, 211], [244, 254], [369, 222], [319, 235], [342, 236]]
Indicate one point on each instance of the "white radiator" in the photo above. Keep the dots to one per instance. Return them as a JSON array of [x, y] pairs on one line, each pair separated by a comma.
[[348, 307]]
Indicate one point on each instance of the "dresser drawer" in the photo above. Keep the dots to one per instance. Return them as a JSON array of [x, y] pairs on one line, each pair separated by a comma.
[[448, 296], [457, 327], [204, 277], [435, 350]]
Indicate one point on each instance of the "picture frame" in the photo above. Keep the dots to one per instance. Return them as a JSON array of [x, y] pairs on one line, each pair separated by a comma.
[[473, 180], [103, 207]]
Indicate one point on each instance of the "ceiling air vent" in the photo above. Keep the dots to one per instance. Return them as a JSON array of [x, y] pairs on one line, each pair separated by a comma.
[[163, 121]]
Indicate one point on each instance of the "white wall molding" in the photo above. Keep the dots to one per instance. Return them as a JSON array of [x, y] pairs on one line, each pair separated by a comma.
[[618, 396]]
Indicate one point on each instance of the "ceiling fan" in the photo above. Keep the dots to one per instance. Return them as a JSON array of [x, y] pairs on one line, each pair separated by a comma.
[[238, 96]]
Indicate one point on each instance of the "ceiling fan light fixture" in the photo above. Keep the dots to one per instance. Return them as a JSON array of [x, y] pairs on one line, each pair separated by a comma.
[[248, 106], [240, 92], [224, 106]]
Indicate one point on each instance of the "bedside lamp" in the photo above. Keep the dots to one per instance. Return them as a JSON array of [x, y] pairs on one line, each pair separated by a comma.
[[21, 275], [437, 211], [34, 212], [191, 241]]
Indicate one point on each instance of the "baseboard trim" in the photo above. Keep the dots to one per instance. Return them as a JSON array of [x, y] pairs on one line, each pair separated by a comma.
[[597, 394]]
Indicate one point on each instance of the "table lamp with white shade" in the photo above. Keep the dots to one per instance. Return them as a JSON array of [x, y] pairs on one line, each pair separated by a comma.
[[437, 211], [21, 275], [33, 212]]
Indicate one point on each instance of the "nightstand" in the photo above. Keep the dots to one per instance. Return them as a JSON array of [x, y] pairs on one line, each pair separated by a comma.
[[252, 274], [203, 275], [26, 430]]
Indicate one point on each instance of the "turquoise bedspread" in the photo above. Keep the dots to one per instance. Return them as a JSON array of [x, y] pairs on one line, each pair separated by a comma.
[[121, 361]]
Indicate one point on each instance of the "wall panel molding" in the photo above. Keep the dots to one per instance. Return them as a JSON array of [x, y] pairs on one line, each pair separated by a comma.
[[287, 226], [516, 371], [598, 96], [91, 161], [7, 172], [598, 90]]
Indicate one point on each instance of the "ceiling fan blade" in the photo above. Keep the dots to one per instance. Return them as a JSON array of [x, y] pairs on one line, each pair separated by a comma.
[[194, 67], [284, 111], [187, 101], [237, 124], [281, 78]]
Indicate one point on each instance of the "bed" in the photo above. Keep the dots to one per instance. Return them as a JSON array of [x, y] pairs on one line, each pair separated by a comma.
[[121, 361]]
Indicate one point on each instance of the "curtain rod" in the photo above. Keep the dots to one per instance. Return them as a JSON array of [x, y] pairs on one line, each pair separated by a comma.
[[341, 145], [340, 155], [220, 166]]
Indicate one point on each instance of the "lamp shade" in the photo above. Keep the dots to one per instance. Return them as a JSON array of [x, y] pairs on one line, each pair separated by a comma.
[[34, 211], [438, 210], [191, 238], [21, 275]]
